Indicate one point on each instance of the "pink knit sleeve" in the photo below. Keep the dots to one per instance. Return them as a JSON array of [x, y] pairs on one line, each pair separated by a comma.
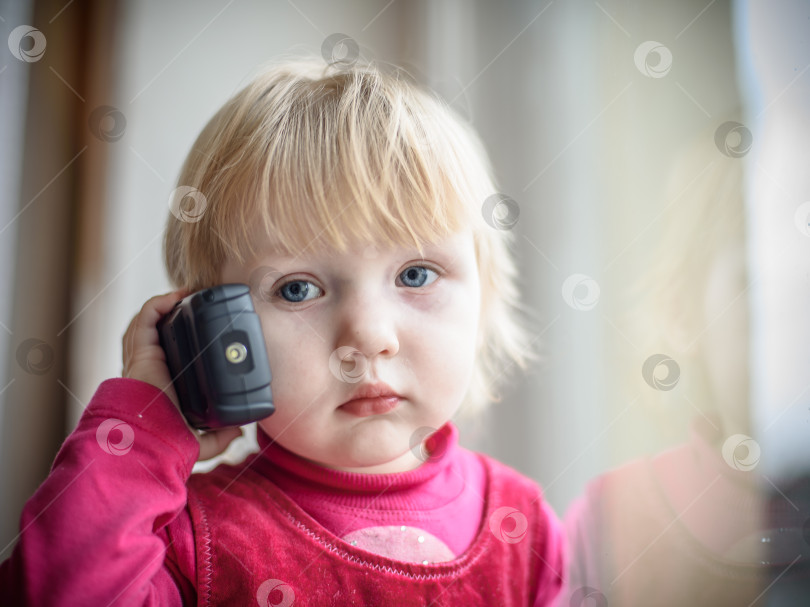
[[97, 531]]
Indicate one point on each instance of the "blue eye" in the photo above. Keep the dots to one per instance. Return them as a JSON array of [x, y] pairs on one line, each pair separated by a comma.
[[417, 276], [299, 290]]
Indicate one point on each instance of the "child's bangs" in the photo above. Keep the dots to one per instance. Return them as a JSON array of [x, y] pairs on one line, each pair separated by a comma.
[[356, 209], [358, 160]]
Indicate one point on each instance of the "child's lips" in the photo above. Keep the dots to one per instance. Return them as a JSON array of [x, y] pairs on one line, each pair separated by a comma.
[[365, 407], [371, 399]]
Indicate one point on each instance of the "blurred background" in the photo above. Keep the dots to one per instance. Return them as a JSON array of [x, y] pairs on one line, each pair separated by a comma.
[[657, 152]]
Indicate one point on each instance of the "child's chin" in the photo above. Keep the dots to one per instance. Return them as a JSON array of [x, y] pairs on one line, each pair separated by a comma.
[[381, 463]]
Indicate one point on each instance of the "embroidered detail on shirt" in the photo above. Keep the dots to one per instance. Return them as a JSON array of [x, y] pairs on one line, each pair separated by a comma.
[[207, 574], [469, 559]]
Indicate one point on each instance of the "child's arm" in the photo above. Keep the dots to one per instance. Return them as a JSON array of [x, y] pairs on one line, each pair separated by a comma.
[[98, 531]]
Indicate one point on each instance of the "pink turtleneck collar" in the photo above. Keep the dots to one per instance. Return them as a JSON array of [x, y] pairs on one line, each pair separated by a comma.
[[290, 470], [430, 513]]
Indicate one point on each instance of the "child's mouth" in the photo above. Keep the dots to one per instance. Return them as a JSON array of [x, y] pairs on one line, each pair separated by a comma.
[[364, 407]]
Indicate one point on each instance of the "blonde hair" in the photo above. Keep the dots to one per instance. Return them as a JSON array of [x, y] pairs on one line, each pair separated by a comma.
[[329, 156], [704, 216], [704, 219]]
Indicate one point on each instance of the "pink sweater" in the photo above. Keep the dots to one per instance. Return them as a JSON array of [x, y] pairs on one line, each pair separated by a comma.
[[112, 524]]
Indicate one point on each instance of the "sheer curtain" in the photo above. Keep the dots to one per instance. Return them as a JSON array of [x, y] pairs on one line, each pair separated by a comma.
[[48, 72]]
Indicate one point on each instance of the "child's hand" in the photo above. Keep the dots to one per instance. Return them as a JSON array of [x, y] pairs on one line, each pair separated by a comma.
[[145, 360]]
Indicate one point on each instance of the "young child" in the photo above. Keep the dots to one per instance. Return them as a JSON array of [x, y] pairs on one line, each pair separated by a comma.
[[351, 202]]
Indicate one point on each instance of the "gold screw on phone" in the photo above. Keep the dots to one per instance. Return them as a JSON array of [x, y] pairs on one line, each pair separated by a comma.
[[236, 353]]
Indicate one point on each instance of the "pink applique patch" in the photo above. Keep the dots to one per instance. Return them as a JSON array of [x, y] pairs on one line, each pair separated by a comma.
[[403, 543]]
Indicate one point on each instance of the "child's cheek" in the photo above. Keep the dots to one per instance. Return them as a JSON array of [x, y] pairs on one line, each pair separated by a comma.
[[443, 299], [433, 303], [290, 351], [459, 304], [446, 322]]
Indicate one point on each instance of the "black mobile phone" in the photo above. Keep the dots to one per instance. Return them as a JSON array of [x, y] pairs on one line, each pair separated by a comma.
[[217, 358]]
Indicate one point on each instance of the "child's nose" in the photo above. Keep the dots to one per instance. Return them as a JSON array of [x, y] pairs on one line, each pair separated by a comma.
[[369, 325]]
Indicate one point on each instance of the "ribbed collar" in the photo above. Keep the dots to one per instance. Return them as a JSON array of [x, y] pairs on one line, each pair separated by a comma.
[[292, 472]]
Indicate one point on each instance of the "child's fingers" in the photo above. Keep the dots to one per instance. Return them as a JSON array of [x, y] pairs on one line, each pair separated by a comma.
[[146, 320], [141, 333], [143, 358], [214, 442]]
